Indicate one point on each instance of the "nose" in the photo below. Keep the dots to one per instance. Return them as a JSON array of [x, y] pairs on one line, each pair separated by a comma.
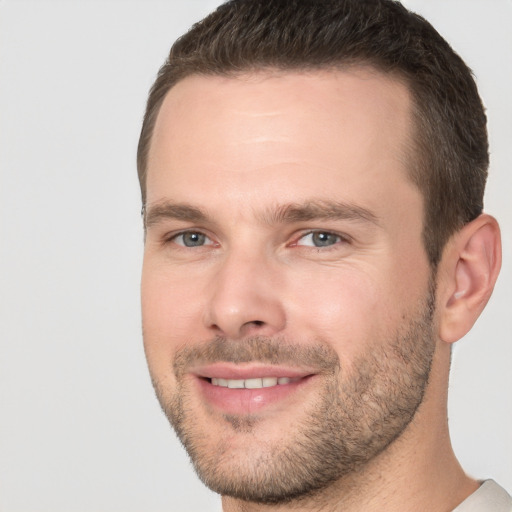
[[246, 298]]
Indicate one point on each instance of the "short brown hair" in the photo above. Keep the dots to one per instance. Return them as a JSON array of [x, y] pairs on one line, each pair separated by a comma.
[[450, 136]]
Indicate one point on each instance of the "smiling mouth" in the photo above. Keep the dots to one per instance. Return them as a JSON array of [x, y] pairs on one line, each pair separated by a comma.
[[248, 390], [255, 383]]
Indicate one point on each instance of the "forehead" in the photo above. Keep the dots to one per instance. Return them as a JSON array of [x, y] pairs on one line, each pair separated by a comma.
[[302, 133]]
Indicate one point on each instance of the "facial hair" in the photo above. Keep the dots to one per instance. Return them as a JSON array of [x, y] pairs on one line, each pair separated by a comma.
[[357, 413]]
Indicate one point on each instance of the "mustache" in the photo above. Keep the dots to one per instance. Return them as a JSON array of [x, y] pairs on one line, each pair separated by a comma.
[[274, 351]]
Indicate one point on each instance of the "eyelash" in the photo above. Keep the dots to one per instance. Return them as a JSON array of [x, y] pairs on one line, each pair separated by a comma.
[[340, 239], [175, 236]]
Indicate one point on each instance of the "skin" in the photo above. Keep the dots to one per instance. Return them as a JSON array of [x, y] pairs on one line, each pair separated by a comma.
[[242, 149]]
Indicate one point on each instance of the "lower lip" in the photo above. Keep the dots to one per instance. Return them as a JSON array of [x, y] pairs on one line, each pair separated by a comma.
[[249, 401]]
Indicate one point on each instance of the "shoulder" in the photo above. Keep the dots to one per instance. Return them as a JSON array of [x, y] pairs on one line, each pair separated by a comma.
[[489, 497]]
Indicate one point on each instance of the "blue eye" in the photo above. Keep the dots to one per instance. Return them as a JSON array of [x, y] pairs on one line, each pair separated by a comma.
[[192, 239], [319, 239]]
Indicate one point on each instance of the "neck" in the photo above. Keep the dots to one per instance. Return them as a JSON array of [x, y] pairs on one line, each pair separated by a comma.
[[418, 471]]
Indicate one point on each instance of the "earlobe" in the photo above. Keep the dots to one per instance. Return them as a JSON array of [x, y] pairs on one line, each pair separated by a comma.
[[471, 264]]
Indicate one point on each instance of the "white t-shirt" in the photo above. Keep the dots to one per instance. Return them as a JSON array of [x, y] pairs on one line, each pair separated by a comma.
[[489, 497]]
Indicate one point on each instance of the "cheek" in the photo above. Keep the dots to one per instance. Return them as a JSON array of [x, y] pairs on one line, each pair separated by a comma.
[[354, 308], [170, 314], [341, 307]]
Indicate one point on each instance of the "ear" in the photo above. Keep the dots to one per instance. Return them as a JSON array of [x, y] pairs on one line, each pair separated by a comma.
[[468, 271]]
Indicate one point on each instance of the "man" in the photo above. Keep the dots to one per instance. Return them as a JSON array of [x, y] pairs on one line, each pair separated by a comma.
[[312, 175]]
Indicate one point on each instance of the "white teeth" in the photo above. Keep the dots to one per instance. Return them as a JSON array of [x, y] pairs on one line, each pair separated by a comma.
[[258, 383], [236, 384], [268, 382], [253, 383]]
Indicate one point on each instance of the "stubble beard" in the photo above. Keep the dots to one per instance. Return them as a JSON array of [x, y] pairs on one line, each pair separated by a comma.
[[355, 416]]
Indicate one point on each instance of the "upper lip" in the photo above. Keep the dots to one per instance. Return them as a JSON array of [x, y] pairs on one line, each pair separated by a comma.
[[244, 371]]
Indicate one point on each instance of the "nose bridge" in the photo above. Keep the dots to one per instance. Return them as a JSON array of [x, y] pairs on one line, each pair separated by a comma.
[[245, 295]]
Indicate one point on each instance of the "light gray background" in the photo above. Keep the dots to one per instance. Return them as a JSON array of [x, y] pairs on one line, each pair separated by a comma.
[[80, 429]]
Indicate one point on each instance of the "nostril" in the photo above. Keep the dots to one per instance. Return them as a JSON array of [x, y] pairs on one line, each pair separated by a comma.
[[254, 324]]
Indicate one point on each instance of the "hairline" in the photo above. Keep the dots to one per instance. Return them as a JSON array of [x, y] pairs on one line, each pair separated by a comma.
[[412, 150]]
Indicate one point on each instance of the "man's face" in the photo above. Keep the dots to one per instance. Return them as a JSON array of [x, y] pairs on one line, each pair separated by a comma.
[[286, 293]]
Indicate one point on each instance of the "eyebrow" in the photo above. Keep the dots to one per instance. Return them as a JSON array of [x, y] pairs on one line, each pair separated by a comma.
[[166, 210], [280, 214], [318, 210]]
